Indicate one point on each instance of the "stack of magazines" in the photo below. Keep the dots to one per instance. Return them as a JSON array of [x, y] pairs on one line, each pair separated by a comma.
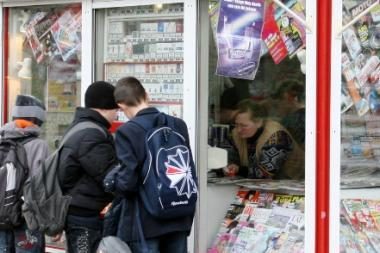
[[360, 226], [262, 222]]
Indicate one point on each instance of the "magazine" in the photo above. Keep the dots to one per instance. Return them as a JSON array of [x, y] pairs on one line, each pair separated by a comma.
[[260, 215], [292, 31], [258, 239], [294, 243], [347, 238], [374, 239], [272, 37], [280, 217], [289, 201], [65, 33], [239, 41]]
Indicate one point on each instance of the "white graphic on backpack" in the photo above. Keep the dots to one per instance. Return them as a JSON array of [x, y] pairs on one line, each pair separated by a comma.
[[178, 171]]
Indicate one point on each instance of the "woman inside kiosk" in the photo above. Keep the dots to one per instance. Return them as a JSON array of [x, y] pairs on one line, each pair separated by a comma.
[[263, 148]]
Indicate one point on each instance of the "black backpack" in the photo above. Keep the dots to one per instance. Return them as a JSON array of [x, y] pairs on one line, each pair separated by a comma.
[[14, 171]]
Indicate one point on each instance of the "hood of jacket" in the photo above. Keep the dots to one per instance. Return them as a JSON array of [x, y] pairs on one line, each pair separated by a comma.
[[86, 114], [11, 131]]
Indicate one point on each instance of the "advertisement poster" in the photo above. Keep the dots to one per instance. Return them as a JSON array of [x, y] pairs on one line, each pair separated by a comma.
[[239, 30], [292, 31], [272, 38], [65, 33], [62, 97]]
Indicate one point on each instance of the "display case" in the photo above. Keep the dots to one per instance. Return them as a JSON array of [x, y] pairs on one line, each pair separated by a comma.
[[146, 42], [218, 192], [42, 57], [355, 173]]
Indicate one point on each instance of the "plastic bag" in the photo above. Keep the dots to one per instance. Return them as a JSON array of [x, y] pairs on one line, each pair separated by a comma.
[[113, 244]]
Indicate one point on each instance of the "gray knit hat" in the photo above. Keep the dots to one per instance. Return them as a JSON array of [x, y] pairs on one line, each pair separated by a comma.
[[29, 107]]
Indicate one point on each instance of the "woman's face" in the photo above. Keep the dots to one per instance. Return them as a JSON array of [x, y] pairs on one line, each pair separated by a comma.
[[245, 127]]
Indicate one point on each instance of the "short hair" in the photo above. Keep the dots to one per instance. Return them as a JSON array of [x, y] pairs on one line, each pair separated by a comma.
[[129, 91]]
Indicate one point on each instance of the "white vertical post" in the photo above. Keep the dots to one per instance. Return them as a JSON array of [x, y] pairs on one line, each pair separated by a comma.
[[335, 115], [189, 66], [87, 47], [201, 219], [310, 127], [190, 80]]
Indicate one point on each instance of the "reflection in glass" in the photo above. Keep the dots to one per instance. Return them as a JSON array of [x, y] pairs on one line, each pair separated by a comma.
[[43, 54]]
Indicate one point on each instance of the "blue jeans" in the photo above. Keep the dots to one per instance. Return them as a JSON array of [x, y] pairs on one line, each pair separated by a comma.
[[170, 243], [21, 240], [83, 234]]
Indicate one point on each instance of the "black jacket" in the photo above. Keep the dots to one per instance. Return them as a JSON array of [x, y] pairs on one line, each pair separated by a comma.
[[85, 159], [130, 146]]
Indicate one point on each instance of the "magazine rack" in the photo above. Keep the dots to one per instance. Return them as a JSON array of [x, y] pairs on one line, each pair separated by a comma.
[[354, 163]]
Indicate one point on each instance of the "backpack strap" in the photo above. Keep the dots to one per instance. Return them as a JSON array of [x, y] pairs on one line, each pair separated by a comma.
[[27, 139], [78, 127]]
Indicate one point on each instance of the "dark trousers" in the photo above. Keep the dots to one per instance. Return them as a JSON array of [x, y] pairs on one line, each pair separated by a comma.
[[21, 240], [83, 234], [169, 243]]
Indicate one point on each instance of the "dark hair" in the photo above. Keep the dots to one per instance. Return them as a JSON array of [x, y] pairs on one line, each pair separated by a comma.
[[256, 110], [291, 86], [129, 91]]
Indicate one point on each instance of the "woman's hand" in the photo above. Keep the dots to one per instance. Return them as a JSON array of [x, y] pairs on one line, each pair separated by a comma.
[[231, 170]]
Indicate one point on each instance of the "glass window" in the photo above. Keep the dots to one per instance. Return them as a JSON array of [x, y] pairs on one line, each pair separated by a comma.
[[256, 134], [145, 42], [360, 132], [43, 59], [277, 89]]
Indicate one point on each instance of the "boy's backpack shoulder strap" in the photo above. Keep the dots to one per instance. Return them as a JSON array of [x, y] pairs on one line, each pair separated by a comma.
[[78, 127]]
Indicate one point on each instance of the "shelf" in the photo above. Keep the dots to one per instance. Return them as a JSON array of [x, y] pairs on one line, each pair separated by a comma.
[[362, 193], [165, 102], [144, 62]]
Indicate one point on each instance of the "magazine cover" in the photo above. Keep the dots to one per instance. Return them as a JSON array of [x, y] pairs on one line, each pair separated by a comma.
[[281, 216], [292, 31], [374, 209], [66, 35], [260, 215], [289, 201], [374, 239], [239, 38], [353, 209], [37, 30], [347, 239], [258, 239], [265, 199], [295, 243], [296, 223], [272, 37], [364, 243]]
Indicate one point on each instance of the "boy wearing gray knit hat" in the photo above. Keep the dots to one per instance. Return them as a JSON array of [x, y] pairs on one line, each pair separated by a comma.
[[28, 114]]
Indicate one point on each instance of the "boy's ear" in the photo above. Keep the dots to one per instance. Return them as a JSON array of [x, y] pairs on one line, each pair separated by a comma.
[[121, 105]]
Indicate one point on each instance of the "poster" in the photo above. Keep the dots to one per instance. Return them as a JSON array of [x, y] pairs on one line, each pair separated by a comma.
[[292, 31], [239, 30], [62, 97], [66, 36], [272, 37]]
